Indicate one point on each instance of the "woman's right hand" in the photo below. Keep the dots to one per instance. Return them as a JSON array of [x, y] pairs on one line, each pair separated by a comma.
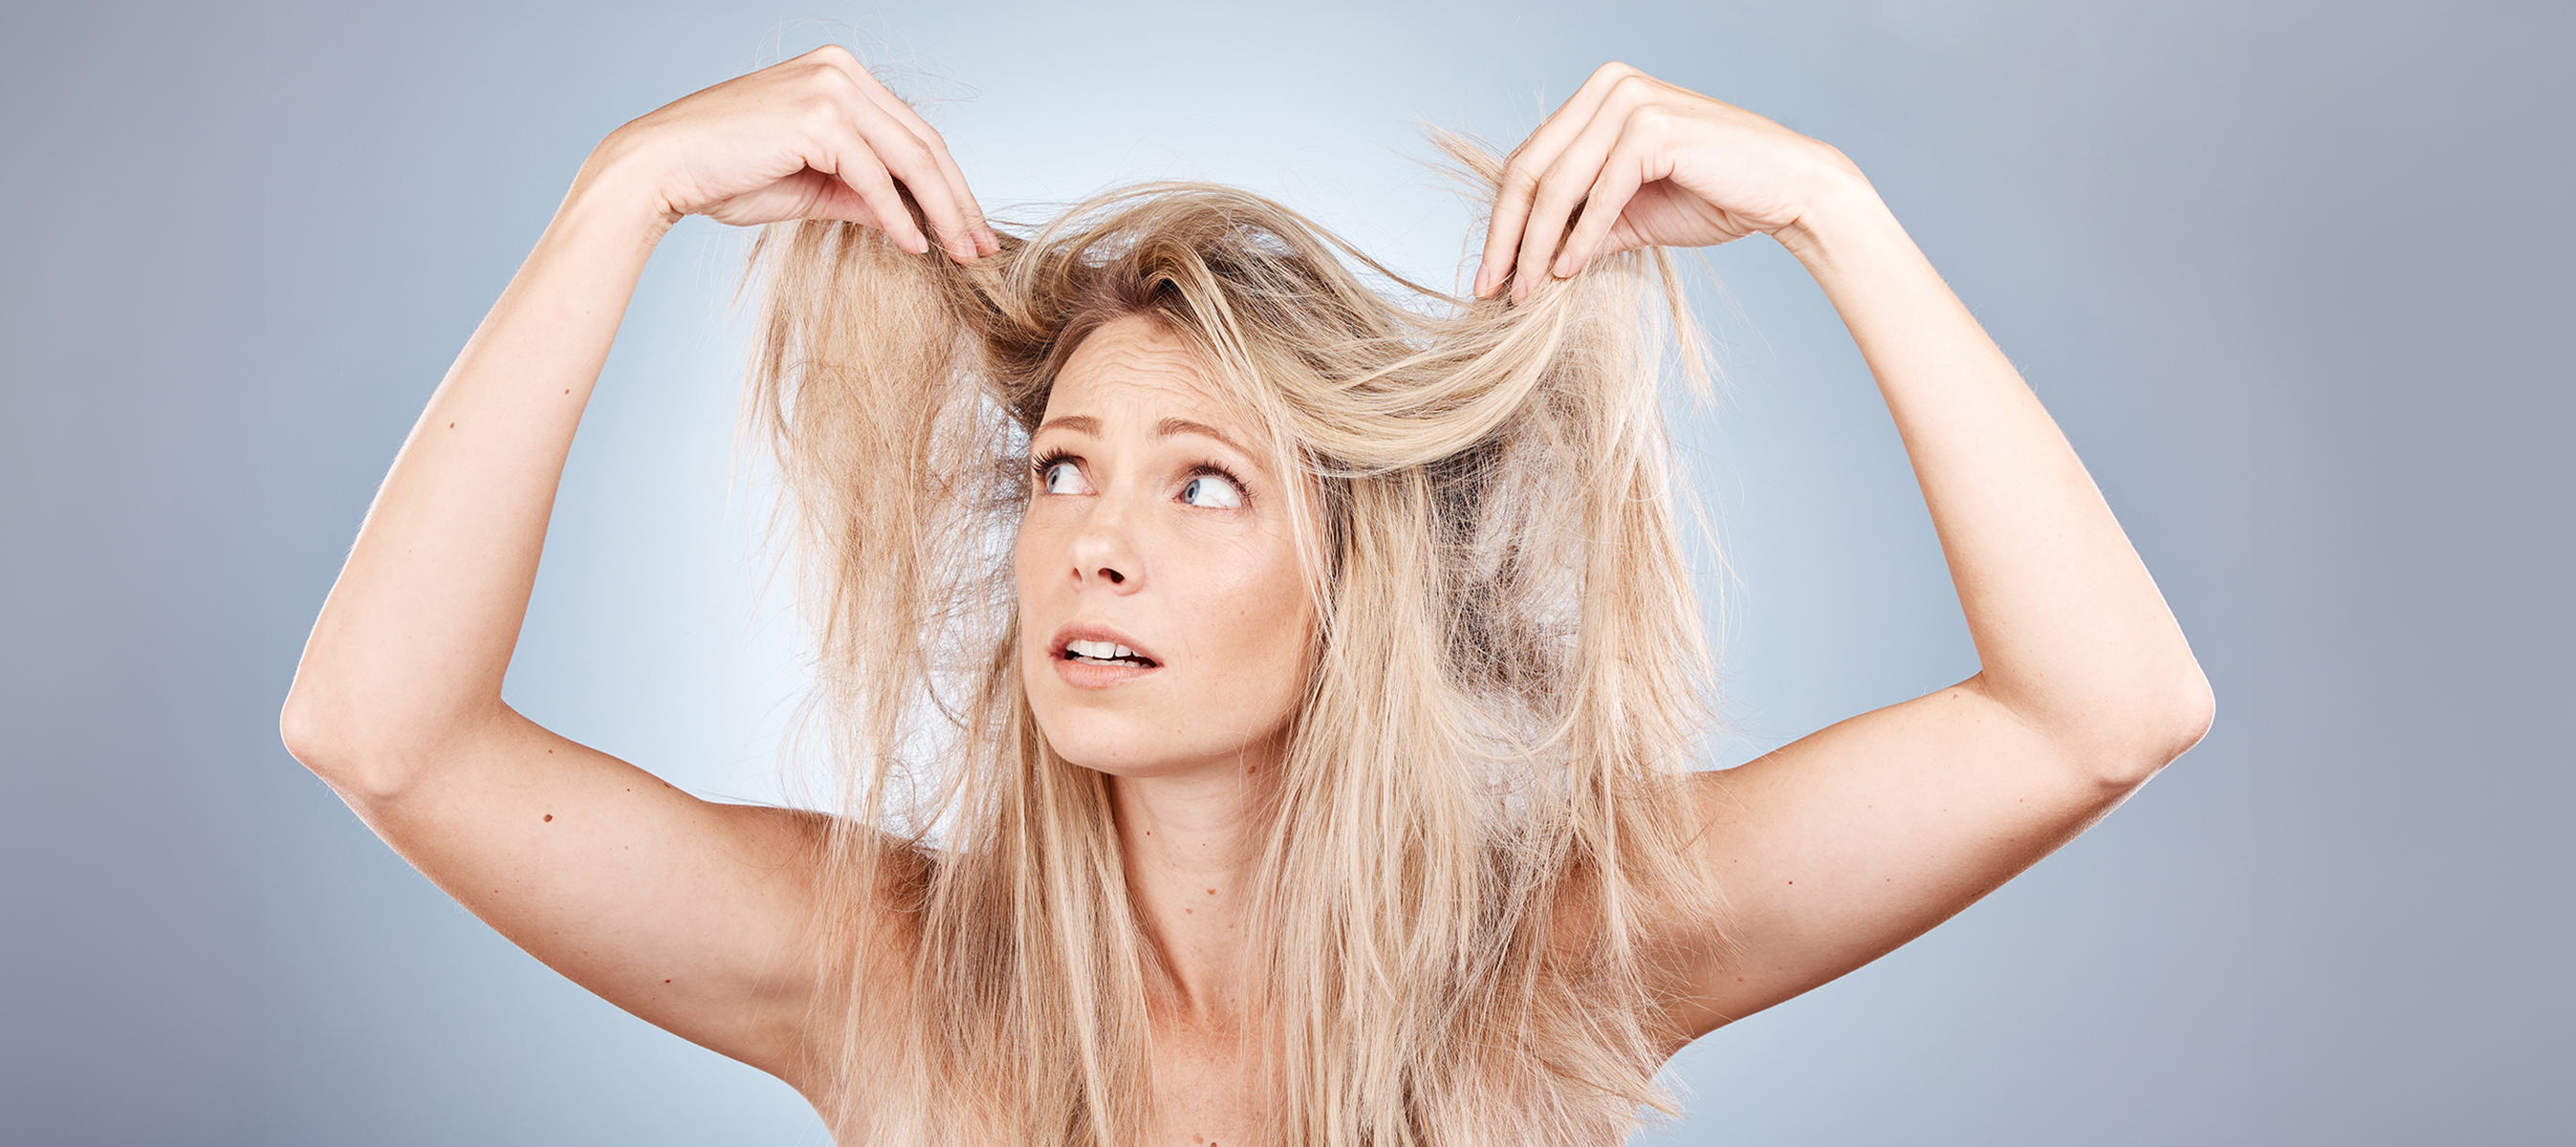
[[816, 137]]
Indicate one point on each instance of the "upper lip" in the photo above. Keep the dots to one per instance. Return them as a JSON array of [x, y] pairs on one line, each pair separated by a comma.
[[1094, 631]]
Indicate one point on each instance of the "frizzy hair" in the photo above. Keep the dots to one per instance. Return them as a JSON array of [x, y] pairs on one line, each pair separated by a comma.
[[1477, 810]]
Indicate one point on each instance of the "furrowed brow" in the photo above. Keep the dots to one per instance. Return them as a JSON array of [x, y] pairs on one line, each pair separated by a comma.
[[1171, 426]]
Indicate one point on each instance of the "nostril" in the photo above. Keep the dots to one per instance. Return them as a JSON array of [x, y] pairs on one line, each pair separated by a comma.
[[1115, 577]]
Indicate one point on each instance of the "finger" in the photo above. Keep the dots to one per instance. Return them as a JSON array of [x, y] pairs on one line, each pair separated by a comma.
[[979, 232], [910, 160], [1560, 190], [1521, 173], [849, 138], [856, 166], [901, 153], [971, 235], [822, 196], [1621, 175], [1503, 227]]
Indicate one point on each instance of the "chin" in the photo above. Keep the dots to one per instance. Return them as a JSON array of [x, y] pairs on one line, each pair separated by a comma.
[[1136, 744], [1111, 743]]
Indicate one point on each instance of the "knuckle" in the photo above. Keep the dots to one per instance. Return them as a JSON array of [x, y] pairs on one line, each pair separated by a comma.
[[1540, 188], [1633, 86], [1614, 71], [820, 110], [1650, 117], [910, 157], [828, 78]]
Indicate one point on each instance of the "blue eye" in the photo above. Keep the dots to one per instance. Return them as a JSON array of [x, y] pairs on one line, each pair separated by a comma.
[[1063, 477], [1212, 491]]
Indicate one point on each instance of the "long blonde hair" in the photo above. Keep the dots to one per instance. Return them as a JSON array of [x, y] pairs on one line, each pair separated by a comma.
[[1476, 813]]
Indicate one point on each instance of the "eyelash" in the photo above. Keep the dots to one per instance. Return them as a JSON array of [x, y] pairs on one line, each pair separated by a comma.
[[1212, 470], [1039, 466]]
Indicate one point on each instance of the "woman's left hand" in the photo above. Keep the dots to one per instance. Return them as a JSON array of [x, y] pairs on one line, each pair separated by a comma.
[[1651, 165]]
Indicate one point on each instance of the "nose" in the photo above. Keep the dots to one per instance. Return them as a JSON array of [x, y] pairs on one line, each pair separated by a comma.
[[1104, 550]]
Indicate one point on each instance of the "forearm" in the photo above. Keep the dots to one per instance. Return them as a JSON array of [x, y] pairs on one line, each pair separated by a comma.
[[2071, 632], [418, 632]]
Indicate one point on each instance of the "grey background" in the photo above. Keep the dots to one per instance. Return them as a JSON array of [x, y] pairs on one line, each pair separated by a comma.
[[2292, 276]]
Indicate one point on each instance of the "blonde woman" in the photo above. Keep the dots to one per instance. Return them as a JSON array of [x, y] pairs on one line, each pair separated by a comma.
[[1263, 702]]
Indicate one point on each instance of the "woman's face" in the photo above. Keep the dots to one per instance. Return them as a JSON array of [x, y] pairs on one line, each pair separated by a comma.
[[1163, 620]]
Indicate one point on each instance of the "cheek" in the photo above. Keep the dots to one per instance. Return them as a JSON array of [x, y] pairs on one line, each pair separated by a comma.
[[1257, 614]]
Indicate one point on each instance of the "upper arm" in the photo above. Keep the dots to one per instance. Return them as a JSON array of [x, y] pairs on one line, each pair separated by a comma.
[[693, 915], [1845, 844]]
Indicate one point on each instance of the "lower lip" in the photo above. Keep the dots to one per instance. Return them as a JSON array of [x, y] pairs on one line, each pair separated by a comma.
[[1088, 675]]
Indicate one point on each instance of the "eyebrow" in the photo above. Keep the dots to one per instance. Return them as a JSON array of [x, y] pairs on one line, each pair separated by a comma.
[[1086, 424], [1171, 426], [1078, 423]]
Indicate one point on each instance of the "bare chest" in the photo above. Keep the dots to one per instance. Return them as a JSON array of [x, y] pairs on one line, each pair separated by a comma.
[[1205, 1090]]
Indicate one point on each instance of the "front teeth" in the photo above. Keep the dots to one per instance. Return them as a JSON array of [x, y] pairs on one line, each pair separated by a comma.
[[1100, 650]]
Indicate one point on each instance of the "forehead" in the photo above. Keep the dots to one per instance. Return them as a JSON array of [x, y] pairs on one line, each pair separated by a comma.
[[1135, 364]]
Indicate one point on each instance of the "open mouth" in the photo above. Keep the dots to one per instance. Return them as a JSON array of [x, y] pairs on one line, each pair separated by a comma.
[[1105, 653]]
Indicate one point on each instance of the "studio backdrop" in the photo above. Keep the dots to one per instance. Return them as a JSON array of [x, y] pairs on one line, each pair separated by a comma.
[[2293, 277]]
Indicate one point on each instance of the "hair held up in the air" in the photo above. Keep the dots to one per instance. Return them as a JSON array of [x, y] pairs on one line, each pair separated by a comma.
[[1477, 812]]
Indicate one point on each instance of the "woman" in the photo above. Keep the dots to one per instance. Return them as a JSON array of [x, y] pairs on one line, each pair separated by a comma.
[[1264, 704]]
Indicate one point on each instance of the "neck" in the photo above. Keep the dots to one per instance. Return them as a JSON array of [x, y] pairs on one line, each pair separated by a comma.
[[1190, 842]]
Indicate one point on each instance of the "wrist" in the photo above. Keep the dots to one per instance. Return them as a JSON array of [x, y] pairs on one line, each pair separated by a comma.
[[616, 190], [1840, 209], [1844, 212]]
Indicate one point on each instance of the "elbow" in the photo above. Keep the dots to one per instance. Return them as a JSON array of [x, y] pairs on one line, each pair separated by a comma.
[[2199, 710], [2120, 736], [2168, 719], [302, 725], [363, 766], [317, 739]]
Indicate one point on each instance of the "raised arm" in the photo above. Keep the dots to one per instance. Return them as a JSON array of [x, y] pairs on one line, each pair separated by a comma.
[[1840, 847], [690, 914]]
